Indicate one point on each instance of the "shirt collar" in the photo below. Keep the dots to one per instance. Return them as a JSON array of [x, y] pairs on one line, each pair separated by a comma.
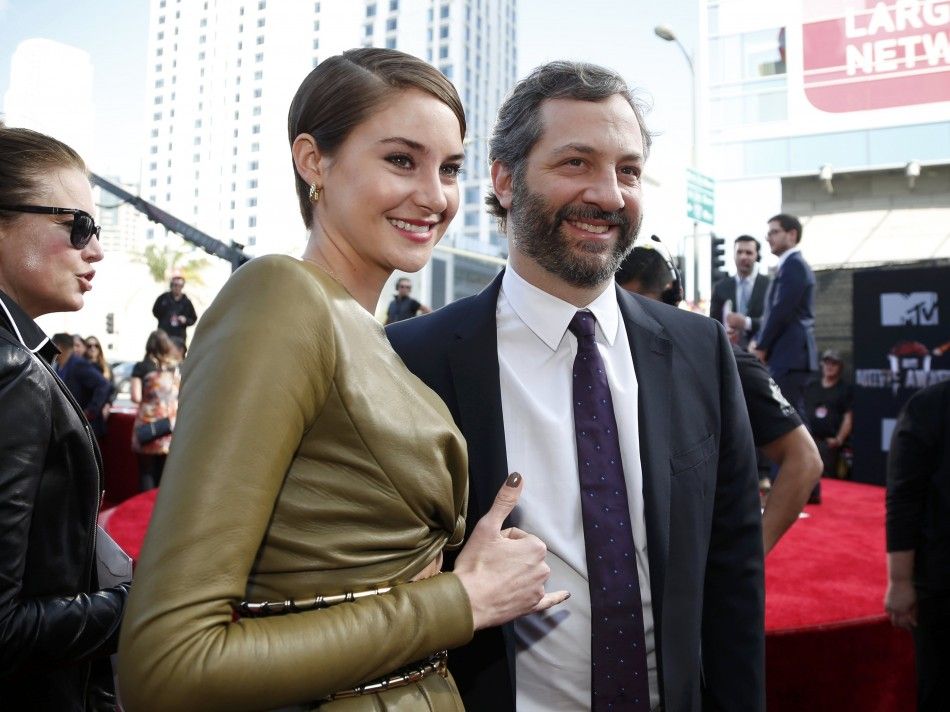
[[547, 316], [752, 275], [25, 329], [785, 255]]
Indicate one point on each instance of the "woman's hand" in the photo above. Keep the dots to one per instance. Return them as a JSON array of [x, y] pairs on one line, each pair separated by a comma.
[[503, 571]]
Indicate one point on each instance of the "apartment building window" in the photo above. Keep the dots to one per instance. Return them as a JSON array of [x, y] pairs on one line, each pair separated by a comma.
[[153, 183], [259, 74], [153, 166], [256, 129], [253, 165], [368, 30], [371, 10], [201, 56], [443, 52], [446, 69], [391, 44], [260, 39], [159, 99], [316, 43], [159, 83], [154, 133], [204, 20], [258, 92], [393, 5], [197, 140], [252, 183], [262, 4], [202, 39], [259, 57], [444, 32], [252, 221], [251, 241], [161, 35], [261, 22], [391, 24], [153, 149], [159, 52], [316, 7], [158, 68], [251, 203], [316, 25], [161, 20], [255, 147], [444, 11]]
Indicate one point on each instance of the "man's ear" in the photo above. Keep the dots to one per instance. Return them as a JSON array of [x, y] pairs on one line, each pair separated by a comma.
[[502, 183], [308, 159]]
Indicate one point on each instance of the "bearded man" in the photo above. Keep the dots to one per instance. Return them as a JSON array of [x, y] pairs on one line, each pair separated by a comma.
[[624, 416]]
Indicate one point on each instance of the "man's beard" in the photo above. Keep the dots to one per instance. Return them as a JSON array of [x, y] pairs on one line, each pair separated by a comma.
[[538, 234]]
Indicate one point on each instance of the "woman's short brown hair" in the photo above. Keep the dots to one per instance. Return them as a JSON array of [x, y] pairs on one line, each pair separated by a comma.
[[26, 157], [342, 91]]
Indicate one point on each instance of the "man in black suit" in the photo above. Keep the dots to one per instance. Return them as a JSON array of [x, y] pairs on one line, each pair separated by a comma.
[[552, 361], [743, 294], [918, 537]]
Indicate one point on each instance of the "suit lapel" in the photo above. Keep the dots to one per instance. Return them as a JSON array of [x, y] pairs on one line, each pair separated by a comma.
[[473, 362], [652, 353]]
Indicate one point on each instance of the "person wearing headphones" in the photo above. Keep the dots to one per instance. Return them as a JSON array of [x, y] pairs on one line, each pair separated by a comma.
[[58, 625], [738, 302], [776, 428], [174, 310]]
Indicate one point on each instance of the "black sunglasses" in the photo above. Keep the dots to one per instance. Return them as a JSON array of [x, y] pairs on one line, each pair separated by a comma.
[[83, 227]]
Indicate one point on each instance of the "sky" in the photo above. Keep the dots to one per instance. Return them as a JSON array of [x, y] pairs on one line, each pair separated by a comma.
[[615, 33]]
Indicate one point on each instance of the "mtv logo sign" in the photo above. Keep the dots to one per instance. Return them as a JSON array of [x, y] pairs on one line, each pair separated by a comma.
[[916, 308]]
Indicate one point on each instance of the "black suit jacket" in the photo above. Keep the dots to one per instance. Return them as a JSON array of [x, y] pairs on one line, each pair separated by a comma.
[[725, 290], [918, 487], [700, 493]]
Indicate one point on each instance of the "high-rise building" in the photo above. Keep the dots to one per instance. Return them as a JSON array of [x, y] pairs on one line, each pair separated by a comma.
[[473, 43], [838, 112], [122, 225], [221, 75]]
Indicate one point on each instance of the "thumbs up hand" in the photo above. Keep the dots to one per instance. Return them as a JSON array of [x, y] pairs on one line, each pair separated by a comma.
[[503, 570]]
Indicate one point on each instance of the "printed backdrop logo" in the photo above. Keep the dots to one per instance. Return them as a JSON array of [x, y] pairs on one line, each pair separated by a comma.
[[862, 54], [916, 308]]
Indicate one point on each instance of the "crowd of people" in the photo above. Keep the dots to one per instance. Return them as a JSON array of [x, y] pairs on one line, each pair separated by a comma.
[[555, 479]]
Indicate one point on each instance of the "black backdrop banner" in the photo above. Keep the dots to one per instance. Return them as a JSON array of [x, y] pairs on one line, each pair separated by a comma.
[[901, 344]]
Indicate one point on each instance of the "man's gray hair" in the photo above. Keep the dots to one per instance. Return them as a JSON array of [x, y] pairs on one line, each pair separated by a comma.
[[519, 126]]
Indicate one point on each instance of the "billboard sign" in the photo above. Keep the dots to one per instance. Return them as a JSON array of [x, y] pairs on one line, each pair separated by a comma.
[[861, 54]]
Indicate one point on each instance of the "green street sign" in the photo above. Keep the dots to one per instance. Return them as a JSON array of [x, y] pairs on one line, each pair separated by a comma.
[[700, 197]]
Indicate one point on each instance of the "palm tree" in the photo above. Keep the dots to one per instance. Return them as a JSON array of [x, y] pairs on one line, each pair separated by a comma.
[[164, 261]]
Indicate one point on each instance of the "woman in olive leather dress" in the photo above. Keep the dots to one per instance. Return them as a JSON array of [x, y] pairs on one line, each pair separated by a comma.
[[315, 467]]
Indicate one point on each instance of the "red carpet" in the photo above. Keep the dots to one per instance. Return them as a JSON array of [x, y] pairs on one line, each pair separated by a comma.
[[828, 643]]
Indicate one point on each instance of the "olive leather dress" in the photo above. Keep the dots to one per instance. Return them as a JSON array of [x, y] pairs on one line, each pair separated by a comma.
[[306, 460]]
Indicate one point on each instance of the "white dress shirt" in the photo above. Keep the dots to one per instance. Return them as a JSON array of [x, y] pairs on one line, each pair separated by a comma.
[[535, 358]]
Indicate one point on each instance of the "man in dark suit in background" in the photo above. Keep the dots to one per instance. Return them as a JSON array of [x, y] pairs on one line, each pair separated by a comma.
[[786, 340], [744, 294], [623, 414]]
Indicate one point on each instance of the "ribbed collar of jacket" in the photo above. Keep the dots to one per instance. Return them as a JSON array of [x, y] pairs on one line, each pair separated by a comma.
[[30, 332]]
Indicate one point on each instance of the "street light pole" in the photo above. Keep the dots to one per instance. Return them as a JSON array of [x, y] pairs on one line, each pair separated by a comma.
[[665, 32]]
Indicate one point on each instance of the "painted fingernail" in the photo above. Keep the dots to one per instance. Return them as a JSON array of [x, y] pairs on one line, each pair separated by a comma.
[[514, 479]]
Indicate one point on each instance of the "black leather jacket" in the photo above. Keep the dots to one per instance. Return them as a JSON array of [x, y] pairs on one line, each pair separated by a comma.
[[56, 627]]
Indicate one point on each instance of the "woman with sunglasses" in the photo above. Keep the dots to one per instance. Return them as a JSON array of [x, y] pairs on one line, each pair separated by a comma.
[[95, 355], [294, 555], [58, 626]]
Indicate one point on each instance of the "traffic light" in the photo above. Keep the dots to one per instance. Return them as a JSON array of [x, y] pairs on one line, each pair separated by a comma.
[[110, 323], [717, 258]]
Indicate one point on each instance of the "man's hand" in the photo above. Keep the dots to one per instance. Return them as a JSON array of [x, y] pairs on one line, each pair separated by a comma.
[[759, 354], [900, 602]]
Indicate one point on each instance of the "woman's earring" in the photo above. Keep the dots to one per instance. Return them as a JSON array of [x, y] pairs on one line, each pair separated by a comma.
[[314, 193]]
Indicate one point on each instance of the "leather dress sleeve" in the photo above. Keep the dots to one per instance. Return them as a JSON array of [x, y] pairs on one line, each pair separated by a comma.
[[50, 630], [260, 368]]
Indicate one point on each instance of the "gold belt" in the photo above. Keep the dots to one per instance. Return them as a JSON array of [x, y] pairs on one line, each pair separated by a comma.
[[407, 675]]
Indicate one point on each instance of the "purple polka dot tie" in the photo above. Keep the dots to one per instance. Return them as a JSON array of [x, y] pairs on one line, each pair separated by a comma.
[[618, 652]]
